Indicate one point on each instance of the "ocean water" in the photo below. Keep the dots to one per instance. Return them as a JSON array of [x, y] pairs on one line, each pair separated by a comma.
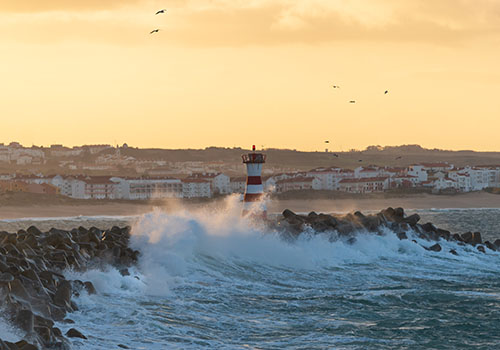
[[212, 280]]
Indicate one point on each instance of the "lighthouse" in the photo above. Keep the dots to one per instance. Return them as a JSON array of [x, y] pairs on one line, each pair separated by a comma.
[[254, 191]]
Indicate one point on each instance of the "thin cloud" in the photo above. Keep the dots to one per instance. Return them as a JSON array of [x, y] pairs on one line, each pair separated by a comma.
[[37, 6], [255, 22]]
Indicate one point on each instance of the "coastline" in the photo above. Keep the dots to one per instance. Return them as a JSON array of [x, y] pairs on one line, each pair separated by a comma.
[[95, 208]]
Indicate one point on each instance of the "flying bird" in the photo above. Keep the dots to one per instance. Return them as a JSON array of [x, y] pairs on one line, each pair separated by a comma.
[[386, 92], [335, 86], [360, 160], [352, 101], [161, 11], [327, 141], [399, 157], [154, 31]]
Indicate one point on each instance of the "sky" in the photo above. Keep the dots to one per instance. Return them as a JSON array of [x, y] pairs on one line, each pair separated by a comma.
[[233, 73]]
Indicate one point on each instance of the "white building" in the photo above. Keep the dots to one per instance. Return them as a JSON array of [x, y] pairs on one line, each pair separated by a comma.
[[444, 166], [238, 184], [148, 188], [463, 180], [362, 172], [445, 184], [220, 183], [404, 181], [364, 185], [298, 183], [328, 177], [418, 171], [196, 188]]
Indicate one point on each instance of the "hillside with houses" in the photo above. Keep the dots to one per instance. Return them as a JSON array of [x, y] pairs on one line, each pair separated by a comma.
[[123, 172]]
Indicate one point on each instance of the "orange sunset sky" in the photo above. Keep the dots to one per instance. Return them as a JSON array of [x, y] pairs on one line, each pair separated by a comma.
[[242, 72]]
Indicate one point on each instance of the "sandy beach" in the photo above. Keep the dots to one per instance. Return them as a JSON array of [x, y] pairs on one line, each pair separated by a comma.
[[421, 201]]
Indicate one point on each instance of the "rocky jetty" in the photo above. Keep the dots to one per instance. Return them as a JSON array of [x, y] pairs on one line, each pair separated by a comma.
[[34, 294], [395, 219], [33, 291]]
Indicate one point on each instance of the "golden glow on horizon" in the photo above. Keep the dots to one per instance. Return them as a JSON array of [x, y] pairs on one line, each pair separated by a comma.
[[236, 73]]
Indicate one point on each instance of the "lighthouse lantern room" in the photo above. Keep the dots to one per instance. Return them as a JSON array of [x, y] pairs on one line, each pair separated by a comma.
[[254, 191]]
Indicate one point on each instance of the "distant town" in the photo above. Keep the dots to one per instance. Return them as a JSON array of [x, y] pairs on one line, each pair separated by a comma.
[[122, 172]]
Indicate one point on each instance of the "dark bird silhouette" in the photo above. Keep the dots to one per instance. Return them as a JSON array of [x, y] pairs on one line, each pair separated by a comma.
[[386, 92], [399, 157], [335, 86], [352, 101], [161, 11], [327, 141], [336, 155], [360, 160], [154, 31]]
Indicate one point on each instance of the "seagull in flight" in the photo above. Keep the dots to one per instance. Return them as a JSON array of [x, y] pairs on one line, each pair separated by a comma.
[[352, 101], [154, 31], [161, 11], [386, 92]]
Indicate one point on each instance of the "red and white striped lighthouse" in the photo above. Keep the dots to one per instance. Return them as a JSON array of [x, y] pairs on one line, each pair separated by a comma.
[[254, 191]]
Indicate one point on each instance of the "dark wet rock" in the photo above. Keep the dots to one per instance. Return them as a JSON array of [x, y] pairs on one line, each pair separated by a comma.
[[444, 234], [312, 215], [34, 231], [402, 235], [89, 287], [481, 249], [467, 237], [6, 277], [476, 238], [371, 222], [497, 243], [124, 272], [435, 248], [25, 320], [123, 346], [429, 227], [3, 266], [17, 289], [4, 346], [345, 229], [45, 334], [68, 320], [57, 332], [351, 241], [457, 237], [73, 333], [26, 346], [490, 246], [56, 312], [63, 294], [453, 251], [359, 214], [43, 322], [288, 214], [412, 219], [23, 344]]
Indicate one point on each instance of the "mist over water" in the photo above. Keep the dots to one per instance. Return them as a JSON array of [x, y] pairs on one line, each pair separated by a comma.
[[213, 280]]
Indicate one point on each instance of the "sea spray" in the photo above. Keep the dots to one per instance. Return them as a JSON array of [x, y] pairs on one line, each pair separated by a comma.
[[214, 280]]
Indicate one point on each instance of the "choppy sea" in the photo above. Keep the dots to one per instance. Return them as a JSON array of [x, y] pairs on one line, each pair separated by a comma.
[[214, 281]]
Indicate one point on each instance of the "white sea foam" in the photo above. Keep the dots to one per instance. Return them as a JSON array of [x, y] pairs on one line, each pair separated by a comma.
[[8, 332], [204, 271]]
